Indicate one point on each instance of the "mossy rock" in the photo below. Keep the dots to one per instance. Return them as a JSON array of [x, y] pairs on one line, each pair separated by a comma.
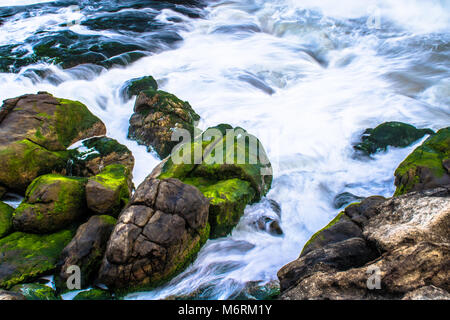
[[2, 192], [36, 131], [52, 202], [228, 199], [395, 134], [230, 181], [26, 256], [339, 229], [96, 153], [427, 166], [109, 191], [135, 86], [6, 225], [23, 161], [35, 291], [157, 114], [94, 294]]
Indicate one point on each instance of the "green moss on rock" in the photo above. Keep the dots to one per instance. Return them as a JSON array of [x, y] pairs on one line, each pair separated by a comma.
[[26, 256], [23, 161], [109, 191], [6, 225], [232, 173], [135, 86], [94, 294], [35, 291], [396, 134], [318, 235], [424, 167], [52, 202]]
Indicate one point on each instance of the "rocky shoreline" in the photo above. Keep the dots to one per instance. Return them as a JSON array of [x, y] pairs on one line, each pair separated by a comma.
[[80, 207], [379, 248]]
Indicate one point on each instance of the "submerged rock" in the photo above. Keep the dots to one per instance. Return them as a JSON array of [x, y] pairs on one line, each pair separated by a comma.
[[97, 153], [230, 182], [28, 256], [52, 202], [345, 198], [35, 291], [427, 166], [109, 191], [156, 115], [36, 130], [403, 241], [157, 235], [86, 250], [395, 134], [6, 214]]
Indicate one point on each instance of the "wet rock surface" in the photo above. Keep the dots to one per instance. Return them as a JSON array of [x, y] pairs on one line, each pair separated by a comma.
[[156, 236], [404, 239]]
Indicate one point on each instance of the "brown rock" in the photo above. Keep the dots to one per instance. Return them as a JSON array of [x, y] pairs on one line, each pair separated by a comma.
[[156, 236]]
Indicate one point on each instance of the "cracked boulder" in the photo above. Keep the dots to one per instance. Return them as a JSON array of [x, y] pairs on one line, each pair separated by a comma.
[[156, 236], [395, 248], [36, 131]]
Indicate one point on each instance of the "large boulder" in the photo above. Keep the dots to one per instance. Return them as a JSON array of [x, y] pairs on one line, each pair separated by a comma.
[[36, 130], [157, 235], [428, 166], [96, 153], [109, 191], [52, 202], [25, 256], [86, 250], [6, 214], [395, 134], [157, 114], [403, 241], [232, 170]]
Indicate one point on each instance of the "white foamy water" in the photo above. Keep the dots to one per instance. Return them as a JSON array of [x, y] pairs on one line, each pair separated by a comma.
[[307, 80]]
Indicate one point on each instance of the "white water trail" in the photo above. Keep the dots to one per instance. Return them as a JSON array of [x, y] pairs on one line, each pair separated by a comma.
[[307, 86]]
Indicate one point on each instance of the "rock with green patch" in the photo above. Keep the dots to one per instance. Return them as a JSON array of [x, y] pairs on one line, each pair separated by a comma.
[[36, 131], [6, 214], [36, 291], [109, 191], [135, 86], [395, 134], [86, 250], [156, 236], [94, 294], [229, 166], [52, 202], [428, 166], [26, 256], [96, 153], [157, 114]]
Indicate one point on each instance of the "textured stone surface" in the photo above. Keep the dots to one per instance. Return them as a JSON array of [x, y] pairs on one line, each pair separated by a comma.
[[156, 236], [86, 249], [156, 115], [52, 202], [405, 238], [36, 130]]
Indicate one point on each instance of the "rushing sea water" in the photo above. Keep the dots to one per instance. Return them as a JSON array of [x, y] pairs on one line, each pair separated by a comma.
[[306, 77]]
